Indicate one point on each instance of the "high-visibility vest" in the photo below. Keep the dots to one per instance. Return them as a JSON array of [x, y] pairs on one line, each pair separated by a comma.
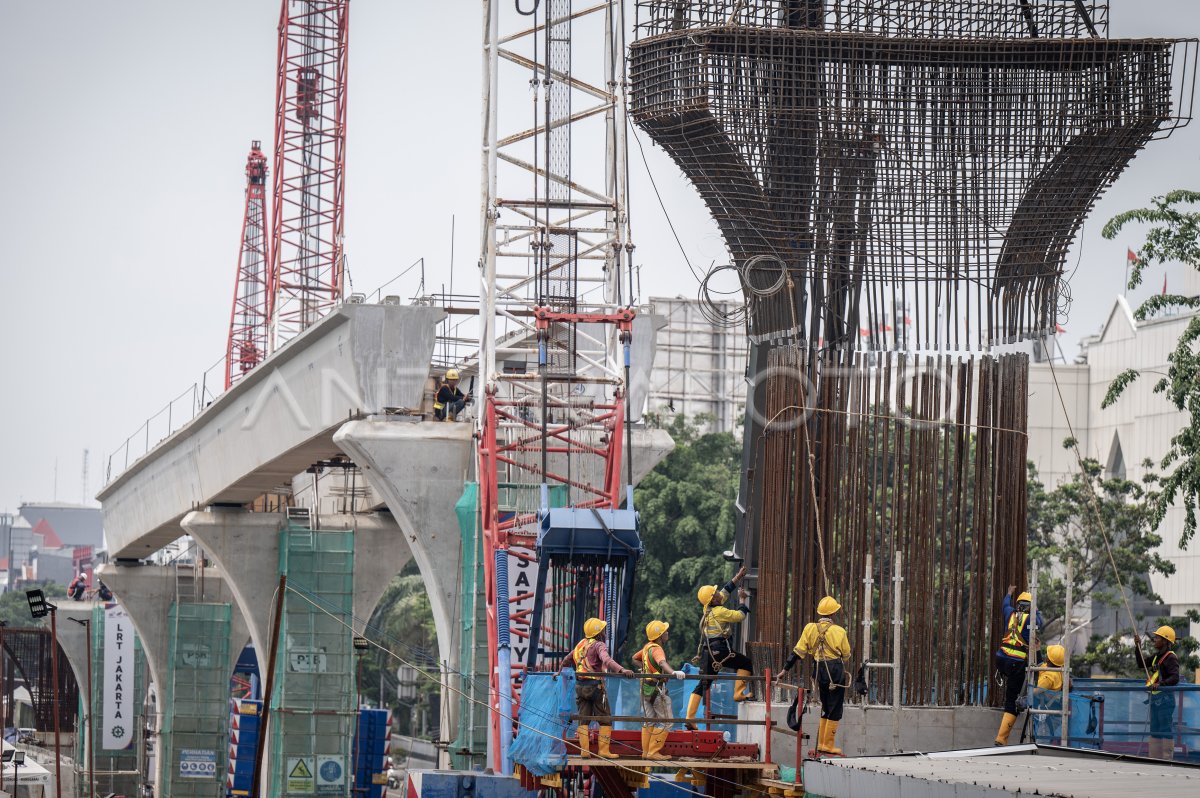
[[650, 668], [1013, 644], [1153, 679], [580, 657]]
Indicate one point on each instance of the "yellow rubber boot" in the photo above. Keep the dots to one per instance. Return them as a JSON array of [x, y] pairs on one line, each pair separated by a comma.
[[821, 736], [830, 733], [658, 739], [604, 738], [739, 687], [1006, 726], [585, 745], [646, 733], [693, 708]]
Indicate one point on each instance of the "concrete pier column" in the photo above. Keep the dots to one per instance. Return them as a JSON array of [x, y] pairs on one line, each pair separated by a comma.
[[191, 644]]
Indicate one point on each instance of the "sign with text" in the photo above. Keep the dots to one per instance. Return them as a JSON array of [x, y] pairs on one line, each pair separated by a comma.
[[197, 763], [303, 659], [118, 723], [331, 775], [522, 587], [300, 779]]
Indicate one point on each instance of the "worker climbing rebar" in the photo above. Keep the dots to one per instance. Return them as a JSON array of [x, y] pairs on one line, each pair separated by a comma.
[[1012, 658], [656, 703], [1162, 670], [716, 644], [590, 656], [829, 646]]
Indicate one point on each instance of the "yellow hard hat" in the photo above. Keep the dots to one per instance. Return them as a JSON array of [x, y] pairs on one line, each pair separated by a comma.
[[592, 627], [452, 374], [1024, 597], [1056, 655], [705, 594], [828, 606], [1166, 633], [656, 629]]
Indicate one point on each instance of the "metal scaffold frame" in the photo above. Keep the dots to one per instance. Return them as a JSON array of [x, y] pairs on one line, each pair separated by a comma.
[[556, 289]]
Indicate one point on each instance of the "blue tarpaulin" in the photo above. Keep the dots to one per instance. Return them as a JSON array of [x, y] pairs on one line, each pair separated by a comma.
[[547, 702]]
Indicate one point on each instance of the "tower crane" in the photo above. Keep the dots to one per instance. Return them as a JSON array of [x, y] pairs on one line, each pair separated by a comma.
[[247, 344], [307, 262]]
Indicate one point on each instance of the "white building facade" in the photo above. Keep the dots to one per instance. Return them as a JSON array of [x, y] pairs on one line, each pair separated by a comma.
[[1139, 426]]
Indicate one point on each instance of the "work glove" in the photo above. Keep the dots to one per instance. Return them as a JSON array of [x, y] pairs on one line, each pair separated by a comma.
[[680, 675]]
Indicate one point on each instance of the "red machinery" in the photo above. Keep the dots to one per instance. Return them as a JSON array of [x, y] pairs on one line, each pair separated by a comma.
[[307, 264], [248, 322]]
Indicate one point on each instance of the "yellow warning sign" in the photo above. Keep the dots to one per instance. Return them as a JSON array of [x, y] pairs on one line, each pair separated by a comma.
[[300, 775]]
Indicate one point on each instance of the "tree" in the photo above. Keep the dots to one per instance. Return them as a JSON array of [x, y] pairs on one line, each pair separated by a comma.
[[687, 520], [1098, 522], [1174, 236]]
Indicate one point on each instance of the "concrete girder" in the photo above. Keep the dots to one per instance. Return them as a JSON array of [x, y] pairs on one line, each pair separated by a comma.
[[275, 422]]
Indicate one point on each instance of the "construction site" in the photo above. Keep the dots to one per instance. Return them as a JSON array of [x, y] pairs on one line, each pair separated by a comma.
[[897, 185]]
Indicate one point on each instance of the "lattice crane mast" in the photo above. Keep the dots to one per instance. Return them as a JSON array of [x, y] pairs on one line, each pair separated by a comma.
[[307, 263], [248, 322], [555, 333]]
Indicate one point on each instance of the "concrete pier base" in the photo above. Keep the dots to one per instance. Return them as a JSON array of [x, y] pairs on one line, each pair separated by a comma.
[[151, 596], [868, 731]]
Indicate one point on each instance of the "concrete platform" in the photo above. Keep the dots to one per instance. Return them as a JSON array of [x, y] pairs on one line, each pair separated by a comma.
[[674, 763], [998, 772]]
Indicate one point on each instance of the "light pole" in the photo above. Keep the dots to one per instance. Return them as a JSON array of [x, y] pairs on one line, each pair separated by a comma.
[[18, 759], [40, 608], [86, 623], [3, 702]]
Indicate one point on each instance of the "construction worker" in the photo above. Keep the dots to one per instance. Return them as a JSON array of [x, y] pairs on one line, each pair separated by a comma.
[[77, 587], [591, 657], [829, 646], [1163, 671], [1012, 658], [1048, 693], [716, 645], [656, 704], [449, 401], [103, 593]]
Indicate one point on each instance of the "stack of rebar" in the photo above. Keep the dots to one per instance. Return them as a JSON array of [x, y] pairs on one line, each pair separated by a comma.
[[898, 182]]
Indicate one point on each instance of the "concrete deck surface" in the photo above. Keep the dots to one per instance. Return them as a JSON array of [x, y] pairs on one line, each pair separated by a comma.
[[992, 775]]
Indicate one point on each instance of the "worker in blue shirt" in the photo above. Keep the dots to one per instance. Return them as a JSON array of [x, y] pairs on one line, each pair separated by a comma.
[[1012, 658]]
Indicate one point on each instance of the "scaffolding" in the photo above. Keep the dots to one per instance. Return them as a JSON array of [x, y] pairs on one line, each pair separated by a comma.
[[313, 709], [195, 733]]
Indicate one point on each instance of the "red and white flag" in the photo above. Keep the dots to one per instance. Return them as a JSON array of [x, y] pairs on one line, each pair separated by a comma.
[[1130, 255]]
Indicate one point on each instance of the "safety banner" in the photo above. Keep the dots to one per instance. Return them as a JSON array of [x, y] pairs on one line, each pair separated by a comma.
[[118, 721]]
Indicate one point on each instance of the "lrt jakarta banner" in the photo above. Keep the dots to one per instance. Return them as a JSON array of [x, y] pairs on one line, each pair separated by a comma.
[[120, 717]]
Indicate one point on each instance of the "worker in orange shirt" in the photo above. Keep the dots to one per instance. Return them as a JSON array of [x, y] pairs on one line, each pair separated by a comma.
[[656, 704]]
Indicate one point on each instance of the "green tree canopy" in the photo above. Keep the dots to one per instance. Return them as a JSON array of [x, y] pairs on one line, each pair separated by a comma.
[[687, 517]]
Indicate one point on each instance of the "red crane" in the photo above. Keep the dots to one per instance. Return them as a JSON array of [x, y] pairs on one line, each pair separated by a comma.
[[310, 146], [249, 321]]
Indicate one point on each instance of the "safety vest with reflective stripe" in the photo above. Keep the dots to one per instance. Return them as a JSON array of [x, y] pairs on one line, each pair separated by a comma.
[[650, 668], [580, 657], [1014, 644], [1155, 676]]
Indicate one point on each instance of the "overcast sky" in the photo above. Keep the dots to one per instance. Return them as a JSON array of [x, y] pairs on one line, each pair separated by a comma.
[[125, 127]]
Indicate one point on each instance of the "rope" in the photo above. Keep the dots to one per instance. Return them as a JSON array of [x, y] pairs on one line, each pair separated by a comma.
[[1091, 503]]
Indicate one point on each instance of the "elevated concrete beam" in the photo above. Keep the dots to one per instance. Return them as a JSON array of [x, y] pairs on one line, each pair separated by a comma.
[[275, 422]]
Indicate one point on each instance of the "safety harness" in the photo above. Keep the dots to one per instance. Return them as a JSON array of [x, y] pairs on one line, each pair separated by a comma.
[[1155, 676], [580, 656], [650, 668], [1013, 644]]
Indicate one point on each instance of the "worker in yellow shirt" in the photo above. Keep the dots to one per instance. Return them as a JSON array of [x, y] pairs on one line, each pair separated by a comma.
[[1048, 694], [829, 646], [716, 639]]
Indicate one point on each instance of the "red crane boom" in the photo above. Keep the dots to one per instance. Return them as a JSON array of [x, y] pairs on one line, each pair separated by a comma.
[[310, 146], [249, 320]]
